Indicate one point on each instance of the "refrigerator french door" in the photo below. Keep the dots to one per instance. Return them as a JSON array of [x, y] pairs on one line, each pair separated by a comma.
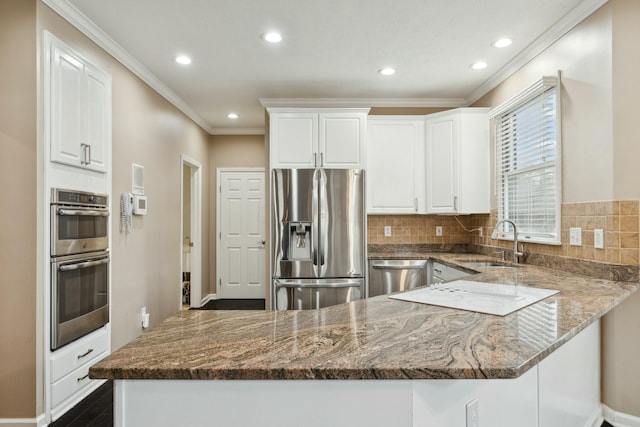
[[319, 237]]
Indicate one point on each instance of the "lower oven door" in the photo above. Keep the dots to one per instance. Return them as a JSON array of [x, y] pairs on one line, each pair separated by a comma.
[[307, 294], [79, 296]]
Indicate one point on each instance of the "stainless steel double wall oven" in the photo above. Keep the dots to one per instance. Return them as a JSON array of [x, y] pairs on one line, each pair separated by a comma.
[[79, 264]]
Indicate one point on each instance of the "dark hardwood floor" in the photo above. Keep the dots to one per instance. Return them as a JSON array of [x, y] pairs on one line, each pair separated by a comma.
[[96, 410]]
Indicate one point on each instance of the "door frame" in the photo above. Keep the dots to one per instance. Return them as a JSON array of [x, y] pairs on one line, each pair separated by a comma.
[[196, 230], [219, 172]]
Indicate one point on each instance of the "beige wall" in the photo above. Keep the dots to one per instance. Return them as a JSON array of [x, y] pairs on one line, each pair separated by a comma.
[[584, 57], [151, 132], [600, 150], [18, 263], [230, 151]]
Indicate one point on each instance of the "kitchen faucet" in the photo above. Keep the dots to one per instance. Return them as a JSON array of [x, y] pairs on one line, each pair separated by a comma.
[[494, 235]]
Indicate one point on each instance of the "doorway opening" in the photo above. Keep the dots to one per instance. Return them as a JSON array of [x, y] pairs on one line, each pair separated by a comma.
[[191, 234]]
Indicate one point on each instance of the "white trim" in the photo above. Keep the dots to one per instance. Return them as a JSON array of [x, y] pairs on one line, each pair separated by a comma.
[[619, 419], [40, 421], [196, 228], [535, 89], [207, 298], [237, 131], [76, 18], [362, 102], [553, 34]]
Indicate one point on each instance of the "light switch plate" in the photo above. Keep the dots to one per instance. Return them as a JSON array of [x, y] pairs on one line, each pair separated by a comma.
[[575, 236], [439, 231], [387, 230], [598, 238]]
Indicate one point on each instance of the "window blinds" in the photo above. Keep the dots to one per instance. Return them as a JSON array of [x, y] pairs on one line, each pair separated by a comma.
[[527, 163]]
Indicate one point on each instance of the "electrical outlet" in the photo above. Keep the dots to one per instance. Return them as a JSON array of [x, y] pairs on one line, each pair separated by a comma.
[[439, 230], [471, 410], [598, 238], [575, 236], [387, 230]]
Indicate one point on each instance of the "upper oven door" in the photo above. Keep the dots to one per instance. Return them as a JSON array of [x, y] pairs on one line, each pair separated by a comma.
[[76, 229]]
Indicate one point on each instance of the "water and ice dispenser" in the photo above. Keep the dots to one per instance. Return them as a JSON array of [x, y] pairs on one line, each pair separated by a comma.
[[300, 244]]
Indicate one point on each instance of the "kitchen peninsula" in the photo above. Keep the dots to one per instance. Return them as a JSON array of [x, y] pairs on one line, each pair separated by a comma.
[[390, 362]]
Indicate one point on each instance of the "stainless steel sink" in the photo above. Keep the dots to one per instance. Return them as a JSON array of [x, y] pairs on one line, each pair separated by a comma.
[[486, 264]]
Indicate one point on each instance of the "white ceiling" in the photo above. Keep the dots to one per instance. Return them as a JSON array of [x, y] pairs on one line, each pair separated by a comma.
[[331, 50]]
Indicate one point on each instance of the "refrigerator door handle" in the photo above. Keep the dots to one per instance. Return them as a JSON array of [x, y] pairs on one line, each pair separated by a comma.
[[321, 226], [324, 283], [315, 237]]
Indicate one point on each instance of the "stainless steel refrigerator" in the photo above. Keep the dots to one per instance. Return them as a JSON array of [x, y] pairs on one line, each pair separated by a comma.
[[319, 237]]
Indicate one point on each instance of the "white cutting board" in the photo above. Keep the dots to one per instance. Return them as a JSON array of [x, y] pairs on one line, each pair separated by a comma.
[[489, 298]]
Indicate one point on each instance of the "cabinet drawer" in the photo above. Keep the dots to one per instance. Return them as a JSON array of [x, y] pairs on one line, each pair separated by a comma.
[[71, 384], [78, 353]]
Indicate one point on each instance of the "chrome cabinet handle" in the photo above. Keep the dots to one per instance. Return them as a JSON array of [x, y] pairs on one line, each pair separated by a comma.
[[321, 159], [315, 160], [262, 242], [455, 203], [415, 204], [437, 271], [80, 356], [83, 378]]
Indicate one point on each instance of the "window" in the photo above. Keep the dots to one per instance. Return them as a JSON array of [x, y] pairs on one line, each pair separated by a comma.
[[527, 142]]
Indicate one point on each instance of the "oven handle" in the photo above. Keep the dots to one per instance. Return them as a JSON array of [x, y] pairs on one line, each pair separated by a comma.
[[69, 267], [77, 212]]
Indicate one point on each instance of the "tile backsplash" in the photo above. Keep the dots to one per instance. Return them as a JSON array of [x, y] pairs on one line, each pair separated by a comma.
[[619, 219]]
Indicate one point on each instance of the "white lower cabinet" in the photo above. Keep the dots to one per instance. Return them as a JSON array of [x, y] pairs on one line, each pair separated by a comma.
[[441, 273], [69, 370]]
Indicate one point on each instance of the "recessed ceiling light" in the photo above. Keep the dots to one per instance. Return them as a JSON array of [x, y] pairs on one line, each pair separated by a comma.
[[502, 42], [387, 71], [478, 65], [233, 115], [183, 59], [272, 37]]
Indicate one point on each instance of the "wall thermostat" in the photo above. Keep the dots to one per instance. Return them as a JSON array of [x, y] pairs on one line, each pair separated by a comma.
[[139, 205]]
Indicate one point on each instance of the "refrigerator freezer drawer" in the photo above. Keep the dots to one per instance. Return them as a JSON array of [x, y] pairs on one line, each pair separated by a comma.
[[313, 294]]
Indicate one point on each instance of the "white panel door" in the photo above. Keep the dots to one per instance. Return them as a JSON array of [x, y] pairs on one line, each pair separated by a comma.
[[241, 248], [341, 140], [294, 140], [67, 77], [395, 165], [98, 121], [441, 166]]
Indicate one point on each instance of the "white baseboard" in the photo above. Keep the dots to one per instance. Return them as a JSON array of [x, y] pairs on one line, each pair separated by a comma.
[[208, 298], [41, 421], [619, 419]]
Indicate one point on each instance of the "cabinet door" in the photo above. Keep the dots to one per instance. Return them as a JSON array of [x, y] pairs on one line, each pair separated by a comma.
[[395, 164], [66, 112], [441, 164], [341, 143], [293, 140], [98, 118]]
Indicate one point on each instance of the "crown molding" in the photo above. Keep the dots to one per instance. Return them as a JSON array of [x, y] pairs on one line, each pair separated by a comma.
[[361, 102], [237, 131], [72, 15], [553, 34]]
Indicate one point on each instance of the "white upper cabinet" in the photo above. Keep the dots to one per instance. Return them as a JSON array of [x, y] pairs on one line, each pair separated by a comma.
[[395, 165], [457, 162], [79, 110], [307, 138]]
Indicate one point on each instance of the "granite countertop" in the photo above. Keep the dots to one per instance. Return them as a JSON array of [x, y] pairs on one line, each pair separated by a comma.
[[376, 338]]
